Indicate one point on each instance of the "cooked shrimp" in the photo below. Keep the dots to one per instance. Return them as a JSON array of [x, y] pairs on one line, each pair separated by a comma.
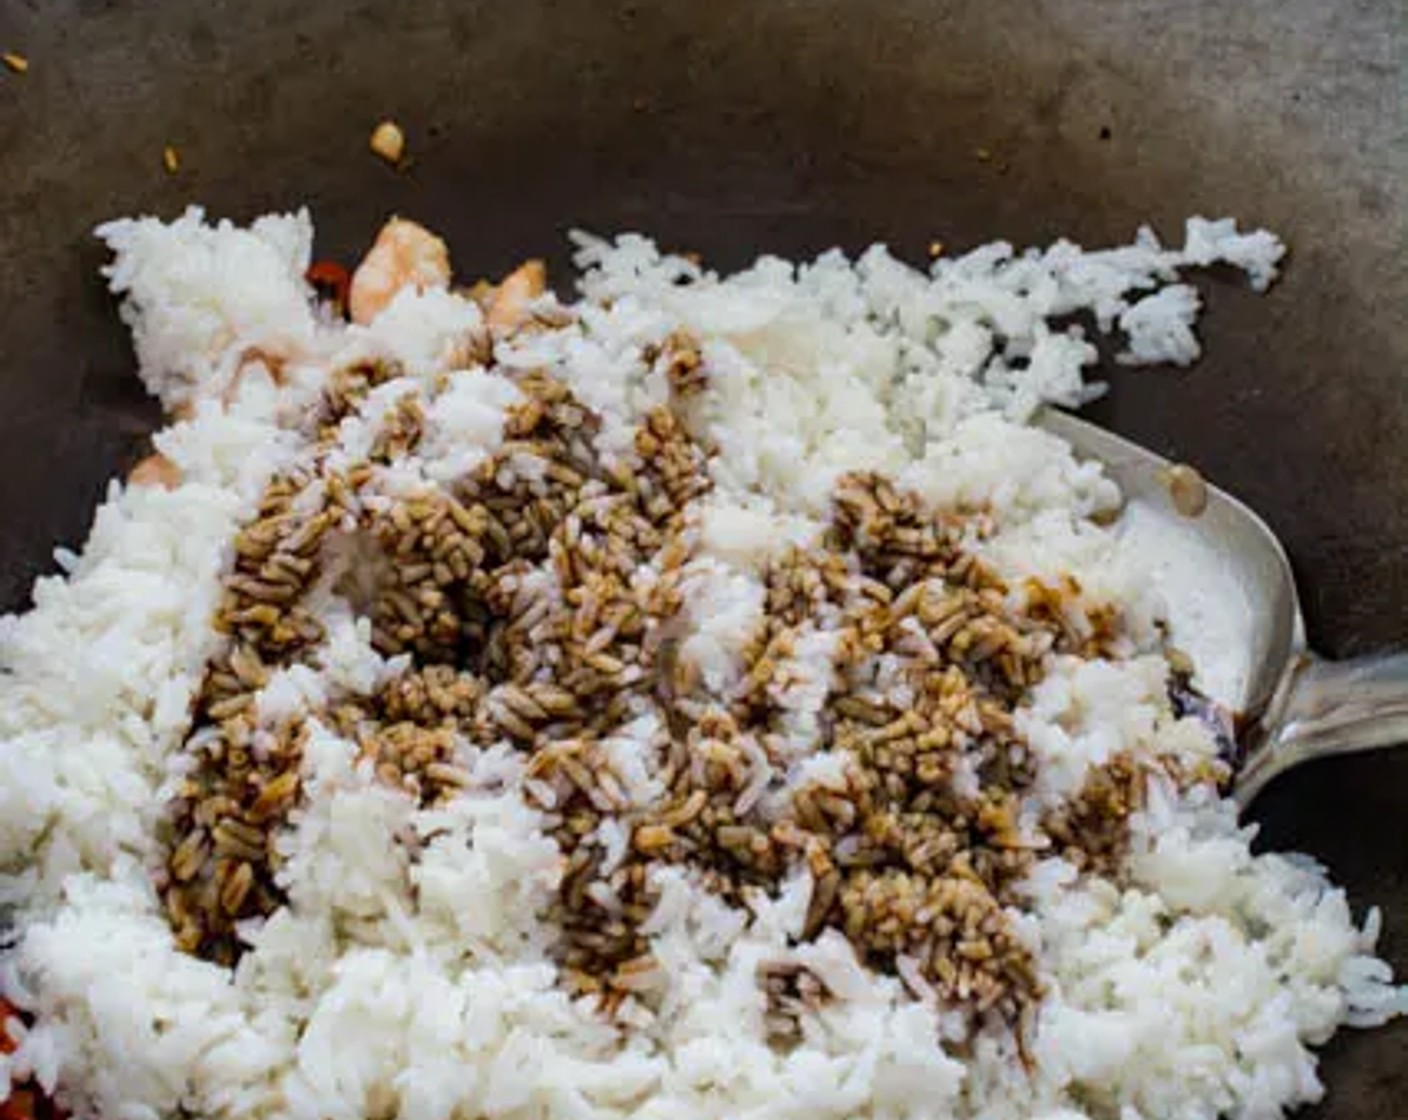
[[155, 470], [508, 303], [404, 254]]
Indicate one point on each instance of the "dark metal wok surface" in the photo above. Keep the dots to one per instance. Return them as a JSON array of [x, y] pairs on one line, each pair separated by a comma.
[[734, 126]]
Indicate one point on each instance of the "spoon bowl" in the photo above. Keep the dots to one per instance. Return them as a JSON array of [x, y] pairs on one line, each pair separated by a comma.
[[1233, 607]]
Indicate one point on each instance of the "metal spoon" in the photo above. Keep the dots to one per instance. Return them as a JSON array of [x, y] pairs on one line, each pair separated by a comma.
[[1233, 607]]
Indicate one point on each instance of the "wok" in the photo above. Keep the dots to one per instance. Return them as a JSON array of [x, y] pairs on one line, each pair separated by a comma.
[[734, 126]]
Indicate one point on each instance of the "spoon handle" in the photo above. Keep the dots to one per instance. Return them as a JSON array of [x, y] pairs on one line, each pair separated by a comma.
[[1327, 708]]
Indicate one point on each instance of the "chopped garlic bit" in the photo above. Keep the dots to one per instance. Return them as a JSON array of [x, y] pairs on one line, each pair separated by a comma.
[[388, 141]]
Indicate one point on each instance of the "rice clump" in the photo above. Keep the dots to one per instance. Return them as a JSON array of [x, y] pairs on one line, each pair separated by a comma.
[[708, 697]]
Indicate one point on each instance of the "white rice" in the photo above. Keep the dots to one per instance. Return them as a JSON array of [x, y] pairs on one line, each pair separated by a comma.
[[424, 988]]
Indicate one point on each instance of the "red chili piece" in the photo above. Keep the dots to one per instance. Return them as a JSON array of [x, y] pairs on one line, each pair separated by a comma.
[[331, 278]]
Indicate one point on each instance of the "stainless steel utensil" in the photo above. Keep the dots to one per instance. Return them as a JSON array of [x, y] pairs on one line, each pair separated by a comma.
[[1220, 563]]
